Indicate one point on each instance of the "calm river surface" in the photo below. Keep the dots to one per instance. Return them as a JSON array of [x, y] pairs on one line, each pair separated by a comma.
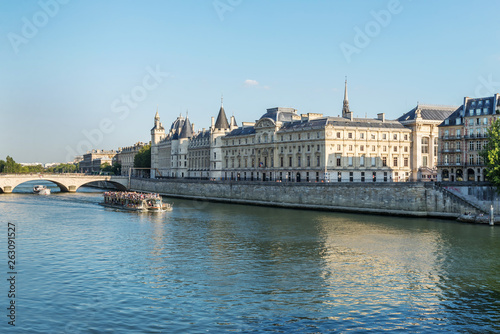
[[209, 267]]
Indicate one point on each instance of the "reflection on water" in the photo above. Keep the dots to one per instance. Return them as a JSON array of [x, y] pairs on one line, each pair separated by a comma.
[[208, 267]]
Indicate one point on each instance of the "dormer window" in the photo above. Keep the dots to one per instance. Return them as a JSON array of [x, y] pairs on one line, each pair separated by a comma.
[[473, 103], [487, 102]]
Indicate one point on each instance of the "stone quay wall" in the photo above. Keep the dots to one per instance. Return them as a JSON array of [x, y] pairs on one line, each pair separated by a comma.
[[407, 199]]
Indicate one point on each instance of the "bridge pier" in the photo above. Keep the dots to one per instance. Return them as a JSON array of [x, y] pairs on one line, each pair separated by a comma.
[[7, 190], [72, 189]]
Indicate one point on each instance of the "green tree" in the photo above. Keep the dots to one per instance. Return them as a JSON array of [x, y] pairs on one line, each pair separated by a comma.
[[491, 155], [10, 166], [143, 158]]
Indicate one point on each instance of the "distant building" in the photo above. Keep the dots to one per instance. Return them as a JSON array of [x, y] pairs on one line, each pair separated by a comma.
[[424, 120], [31, 164], [126, 156], [93, 160], [463, 135]]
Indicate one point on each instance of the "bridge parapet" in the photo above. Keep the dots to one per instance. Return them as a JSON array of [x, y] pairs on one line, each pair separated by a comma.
[[66, 182]]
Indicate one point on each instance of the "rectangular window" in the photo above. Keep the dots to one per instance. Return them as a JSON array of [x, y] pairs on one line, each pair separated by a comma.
[[308, 161], [338, 147], [362, 135], [350, 161], [362, 148], [349, 135], [350, 148], [384, 161], [339, 176], [351, 176], [395, 162], [338, 134], [373, 148], [395, 136], [405, 162], [281, 162], [395, 148], [362, 160], [362, 176], [298, 161], [339, 161], [374, 160], [290, 162], [374, 176], [317, 161]]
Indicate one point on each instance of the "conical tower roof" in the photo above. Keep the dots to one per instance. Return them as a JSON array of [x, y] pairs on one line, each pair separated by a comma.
[[187, 130], [221, 122]]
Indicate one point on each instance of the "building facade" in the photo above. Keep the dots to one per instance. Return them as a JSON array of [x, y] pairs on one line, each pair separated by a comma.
[[126, 156], [182, 152], [462, 137], [423, 120], [286, 146], [93, 160]]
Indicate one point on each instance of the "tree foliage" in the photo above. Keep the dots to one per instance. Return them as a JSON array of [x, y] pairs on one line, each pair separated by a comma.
[[108, 169], [491, 155], [143, 157], [63, 168]]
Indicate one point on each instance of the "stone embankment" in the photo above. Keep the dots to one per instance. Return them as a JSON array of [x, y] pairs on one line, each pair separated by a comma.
[[406, 199]]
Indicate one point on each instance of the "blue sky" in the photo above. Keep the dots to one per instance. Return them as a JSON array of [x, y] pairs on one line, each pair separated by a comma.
[[64, 83]]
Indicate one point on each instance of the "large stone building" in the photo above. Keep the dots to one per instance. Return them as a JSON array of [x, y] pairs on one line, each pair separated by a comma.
[[93, 160], [424, 120], [126, 156], [182, 152], [463, 135], [284, 145]]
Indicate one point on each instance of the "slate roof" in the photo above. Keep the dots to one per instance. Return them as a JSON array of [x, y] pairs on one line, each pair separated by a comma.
[[221, 122], [429, 112], [247, 130], [187, 130], [280, 114], [340, 121]]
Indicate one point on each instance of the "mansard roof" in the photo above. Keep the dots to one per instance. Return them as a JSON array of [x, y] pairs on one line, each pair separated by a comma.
[[247, 130], [280, 114], [451, 120], [429, 112], [341, 122], [480, 103], [221, 122]]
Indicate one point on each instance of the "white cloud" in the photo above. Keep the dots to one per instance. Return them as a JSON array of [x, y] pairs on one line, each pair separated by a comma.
[[249, 83]]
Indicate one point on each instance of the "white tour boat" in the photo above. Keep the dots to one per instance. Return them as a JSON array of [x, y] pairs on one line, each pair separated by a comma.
[[41, 190], [134, 201]]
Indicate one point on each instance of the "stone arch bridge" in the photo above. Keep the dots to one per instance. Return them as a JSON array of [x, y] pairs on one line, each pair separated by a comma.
[[66, 182]]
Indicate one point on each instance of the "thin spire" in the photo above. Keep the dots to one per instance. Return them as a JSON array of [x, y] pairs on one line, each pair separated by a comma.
[[221, 100], [345, 90], [157, 115], [345, 107]]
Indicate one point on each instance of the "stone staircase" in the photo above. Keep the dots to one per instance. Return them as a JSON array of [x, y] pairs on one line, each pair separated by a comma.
[[471, 201]]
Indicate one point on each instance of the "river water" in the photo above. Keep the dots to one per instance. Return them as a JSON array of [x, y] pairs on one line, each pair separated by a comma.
[[212, 268]]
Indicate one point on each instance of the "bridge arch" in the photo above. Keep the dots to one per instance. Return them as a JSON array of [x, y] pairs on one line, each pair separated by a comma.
[[65, 182], [118, 185]]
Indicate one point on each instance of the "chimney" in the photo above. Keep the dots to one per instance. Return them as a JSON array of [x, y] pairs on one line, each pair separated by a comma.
[[192, 127], [213, 122], [381, 116]]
